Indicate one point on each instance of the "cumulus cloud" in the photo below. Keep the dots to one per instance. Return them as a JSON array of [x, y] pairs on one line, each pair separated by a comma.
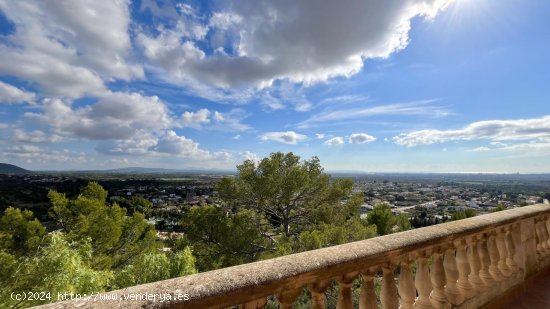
[[494, 130], [247, 155], [140, 144], [331, 38], [171, 143], [117, 115], [36, 136], [68, 47], [12, 94], [195, 119], [319, 135], [206, 119], [361, 138], [165, 143], [288, 137], [335, 141], [35, 154]]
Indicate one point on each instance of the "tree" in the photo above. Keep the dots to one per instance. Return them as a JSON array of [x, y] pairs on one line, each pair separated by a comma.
[[58, 267], [383, 218], [403, 222], [500, 207], [285, 189], [221, 239], [156, 266], [136, 204], [463, 214], [116, 239], [20, 232]]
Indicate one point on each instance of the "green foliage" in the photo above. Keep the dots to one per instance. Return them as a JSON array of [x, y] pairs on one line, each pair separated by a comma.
[[156, 266], [403, 223], [463, 214], [221, 239], [59, 267], [136, 204], [116, 239], [182, 263], [20, 232], [285, 189], [325, 235], [97, 247], [382, 217], [500, 207]]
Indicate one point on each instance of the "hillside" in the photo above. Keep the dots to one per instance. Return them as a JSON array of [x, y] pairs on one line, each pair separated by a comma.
[[6, 168]]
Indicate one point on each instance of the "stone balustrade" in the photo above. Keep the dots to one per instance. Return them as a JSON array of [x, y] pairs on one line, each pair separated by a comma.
[[461, 264]]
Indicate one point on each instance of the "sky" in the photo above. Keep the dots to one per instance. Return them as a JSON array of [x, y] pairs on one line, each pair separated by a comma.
[[365, 85]]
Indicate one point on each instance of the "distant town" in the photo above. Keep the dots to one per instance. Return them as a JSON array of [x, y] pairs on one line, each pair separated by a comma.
[[427, 199]]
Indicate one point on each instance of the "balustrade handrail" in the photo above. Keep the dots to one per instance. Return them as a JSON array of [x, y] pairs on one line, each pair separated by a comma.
[[248, 282]]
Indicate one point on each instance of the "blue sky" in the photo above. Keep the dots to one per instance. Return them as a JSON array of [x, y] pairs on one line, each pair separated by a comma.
[[392, 86]]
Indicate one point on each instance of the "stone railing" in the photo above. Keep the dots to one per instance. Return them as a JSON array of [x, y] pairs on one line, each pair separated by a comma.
[[462, 264]]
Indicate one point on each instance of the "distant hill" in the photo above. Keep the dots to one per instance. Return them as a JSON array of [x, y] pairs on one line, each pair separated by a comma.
[[148, 170], [140, 170], [6, 168]]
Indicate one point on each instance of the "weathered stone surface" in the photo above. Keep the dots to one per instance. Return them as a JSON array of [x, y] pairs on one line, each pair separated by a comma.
[[249, 282]]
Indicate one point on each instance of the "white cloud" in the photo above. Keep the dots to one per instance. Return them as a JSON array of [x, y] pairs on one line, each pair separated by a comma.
[[139, 145], [247, 155], [162, 144], [343, 99], [205, 119], [481, 149], [424, 108], [237, 137], [171, 143], [335, 141], [494, 130], [195, 119], [319, 135], [68, 47], [117, 115], [331, 38], [223, 21], [35, 136], [12, 94], [361, 138], [34, 154], [288, 137], [271, 103]]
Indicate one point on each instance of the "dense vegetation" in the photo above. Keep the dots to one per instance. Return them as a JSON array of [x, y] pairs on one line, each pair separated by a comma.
[[278, 206]]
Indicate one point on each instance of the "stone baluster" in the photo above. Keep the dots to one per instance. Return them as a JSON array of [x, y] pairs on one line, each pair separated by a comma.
[[451, 273], [367, 299], [388, 294], [463, 284], [255, 304], [318, 294], [423, 284], [437, 273], [345, 282], [475, 266], [542, 246], [511, 249], [407, 290], [287, 297], [484, 273], [495, 258], [544, 236], [503, 253]]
